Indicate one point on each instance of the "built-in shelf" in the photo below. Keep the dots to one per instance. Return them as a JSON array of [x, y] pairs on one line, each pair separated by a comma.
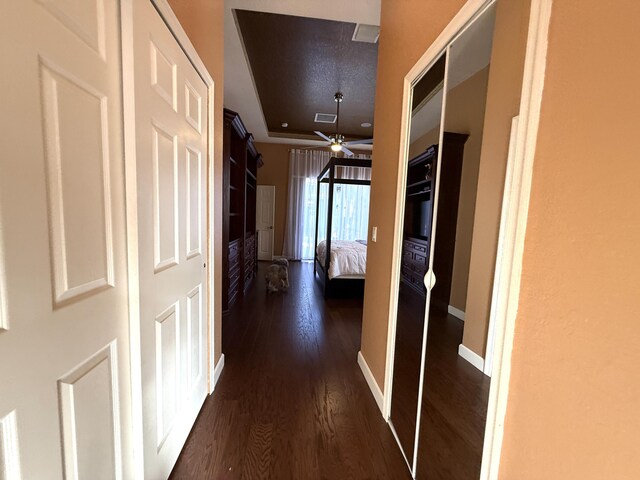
[[421, 192], [241, 161], [416, 184]]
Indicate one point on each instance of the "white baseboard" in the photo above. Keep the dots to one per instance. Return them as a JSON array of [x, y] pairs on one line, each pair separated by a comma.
[[371, 381], [456, 312], [218, 370], [472, 357]]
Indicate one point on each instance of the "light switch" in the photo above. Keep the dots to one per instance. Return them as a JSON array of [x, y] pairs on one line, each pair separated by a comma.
[[374, 234]]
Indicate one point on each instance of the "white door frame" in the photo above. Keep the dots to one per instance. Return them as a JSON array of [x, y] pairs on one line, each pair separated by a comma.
[[514, 226], [508, 204], [128, 82]]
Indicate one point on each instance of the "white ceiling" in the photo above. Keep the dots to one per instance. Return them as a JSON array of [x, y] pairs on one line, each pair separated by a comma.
[[239, 91], [469, 54]]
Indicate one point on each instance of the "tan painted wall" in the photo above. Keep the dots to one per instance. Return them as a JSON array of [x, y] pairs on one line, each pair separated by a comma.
[[465, 114], [503, 103], [575, 384], [276, 172], [408, 27], [425, 141], [203, 20]]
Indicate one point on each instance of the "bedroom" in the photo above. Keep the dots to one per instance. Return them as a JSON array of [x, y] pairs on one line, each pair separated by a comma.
[[129, 216]]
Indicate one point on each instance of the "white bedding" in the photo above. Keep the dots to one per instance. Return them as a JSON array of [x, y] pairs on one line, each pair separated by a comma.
[[348, 259]]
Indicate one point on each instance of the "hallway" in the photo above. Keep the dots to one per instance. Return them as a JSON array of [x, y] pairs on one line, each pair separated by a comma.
[[291, 401]]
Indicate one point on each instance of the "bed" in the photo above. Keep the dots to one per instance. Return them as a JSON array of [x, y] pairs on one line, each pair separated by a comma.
[[348, 258], [340, 265]]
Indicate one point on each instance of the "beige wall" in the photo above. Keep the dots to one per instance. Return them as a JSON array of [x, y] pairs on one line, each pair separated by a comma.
[[465, 114], [407, 29], [203, 20], [276, 172], [575, 385], [423, 142], [503, 103]]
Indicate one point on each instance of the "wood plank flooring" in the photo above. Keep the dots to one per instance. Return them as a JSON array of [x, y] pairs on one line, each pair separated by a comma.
[[454, 406], [291, 402]]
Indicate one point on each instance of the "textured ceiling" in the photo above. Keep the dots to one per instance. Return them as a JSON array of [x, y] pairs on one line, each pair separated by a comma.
[[298, 63], [239, 90]]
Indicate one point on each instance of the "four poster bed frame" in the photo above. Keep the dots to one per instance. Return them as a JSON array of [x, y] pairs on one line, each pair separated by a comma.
[[351, 285]]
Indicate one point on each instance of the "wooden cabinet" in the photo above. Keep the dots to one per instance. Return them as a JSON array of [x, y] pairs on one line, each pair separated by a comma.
[[415, 262], [240, 171], [419, 215]]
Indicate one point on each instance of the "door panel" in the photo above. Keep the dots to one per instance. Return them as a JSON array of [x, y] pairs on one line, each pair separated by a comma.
[[171, 142], [416, 282], [266, 198], [65, 407]]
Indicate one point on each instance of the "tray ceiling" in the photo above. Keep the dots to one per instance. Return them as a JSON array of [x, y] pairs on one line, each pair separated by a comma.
[[290, 66]]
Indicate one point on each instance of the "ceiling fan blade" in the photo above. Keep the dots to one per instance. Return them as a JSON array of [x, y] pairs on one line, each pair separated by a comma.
[[320, 134], [347, 151], [368, 141]]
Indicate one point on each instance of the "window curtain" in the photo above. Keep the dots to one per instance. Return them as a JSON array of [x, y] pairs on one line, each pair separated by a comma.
[[350, 204], [300, 229]]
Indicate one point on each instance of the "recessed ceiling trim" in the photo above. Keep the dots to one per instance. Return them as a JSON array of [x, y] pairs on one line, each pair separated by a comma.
[[257, 109]]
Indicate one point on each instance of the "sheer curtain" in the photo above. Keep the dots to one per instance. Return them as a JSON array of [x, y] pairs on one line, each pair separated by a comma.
[[350, 204], [300, 229]]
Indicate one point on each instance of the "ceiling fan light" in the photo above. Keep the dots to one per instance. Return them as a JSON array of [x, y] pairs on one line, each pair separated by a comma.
[[336, 147]]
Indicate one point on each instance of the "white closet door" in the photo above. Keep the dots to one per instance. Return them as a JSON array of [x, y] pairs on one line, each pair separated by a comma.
[[171, 151], [64, 349]]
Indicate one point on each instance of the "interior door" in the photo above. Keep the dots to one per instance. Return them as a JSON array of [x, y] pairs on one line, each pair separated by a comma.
[[265, 220], [65, 405], [171, 151]]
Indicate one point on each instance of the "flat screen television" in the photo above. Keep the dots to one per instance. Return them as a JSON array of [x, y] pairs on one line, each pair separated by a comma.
[[418, 218]]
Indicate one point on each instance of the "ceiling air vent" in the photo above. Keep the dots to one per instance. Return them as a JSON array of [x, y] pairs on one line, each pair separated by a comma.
[[366, 33], [325, 118]]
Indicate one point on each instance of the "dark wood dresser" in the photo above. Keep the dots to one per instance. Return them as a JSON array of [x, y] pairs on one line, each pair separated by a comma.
[[419, 214]]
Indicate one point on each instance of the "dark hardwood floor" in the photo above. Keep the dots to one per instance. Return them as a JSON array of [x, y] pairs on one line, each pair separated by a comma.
[[406, 368], [454, 406], [291, 402]]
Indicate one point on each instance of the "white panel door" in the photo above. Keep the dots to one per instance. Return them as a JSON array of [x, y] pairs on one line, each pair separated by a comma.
[[265, 219], [65, 409], [171, 151]]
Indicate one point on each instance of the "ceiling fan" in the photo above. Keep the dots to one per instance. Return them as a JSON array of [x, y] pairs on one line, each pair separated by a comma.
[[336, 141]]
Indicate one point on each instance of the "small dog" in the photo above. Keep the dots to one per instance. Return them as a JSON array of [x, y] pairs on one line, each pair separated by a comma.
[[281, 261], [277, 276]]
